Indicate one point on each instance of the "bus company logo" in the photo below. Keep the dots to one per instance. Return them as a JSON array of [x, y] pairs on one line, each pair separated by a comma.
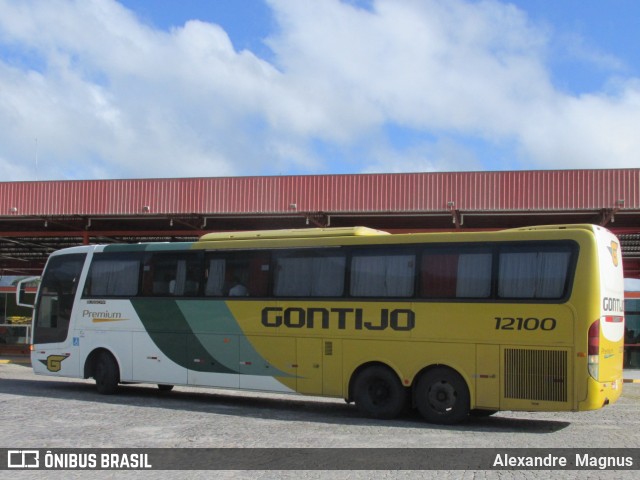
[[53, 362], [23, 459], [341, 318], [613, 250]]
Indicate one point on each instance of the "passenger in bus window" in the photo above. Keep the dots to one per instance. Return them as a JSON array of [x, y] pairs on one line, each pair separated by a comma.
[[238, 289]]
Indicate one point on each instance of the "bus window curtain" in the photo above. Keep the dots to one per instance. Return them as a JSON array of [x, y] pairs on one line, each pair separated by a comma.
[[293, 277], [327, 279], [114, 278], [533, 274], [474, 275], [517, 275], [399, 280], [215, 280], [176, 287], [383, 276], [309, 276], [552, 274], [367, 276]]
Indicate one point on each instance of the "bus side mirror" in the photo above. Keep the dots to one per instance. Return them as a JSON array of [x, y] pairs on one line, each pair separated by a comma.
[[21, 291]]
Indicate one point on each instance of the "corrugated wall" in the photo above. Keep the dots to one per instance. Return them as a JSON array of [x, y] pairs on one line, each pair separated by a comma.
[[555, 190]]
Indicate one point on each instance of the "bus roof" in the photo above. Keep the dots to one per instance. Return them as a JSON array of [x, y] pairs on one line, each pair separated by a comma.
[[574, 226], [293, 234]]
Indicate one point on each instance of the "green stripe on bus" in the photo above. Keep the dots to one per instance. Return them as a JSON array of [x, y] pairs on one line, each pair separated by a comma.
[[214, 340], [165, 323]]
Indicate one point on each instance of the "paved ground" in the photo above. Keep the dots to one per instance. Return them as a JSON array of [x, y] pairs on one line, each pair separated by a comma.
[[47, 412]]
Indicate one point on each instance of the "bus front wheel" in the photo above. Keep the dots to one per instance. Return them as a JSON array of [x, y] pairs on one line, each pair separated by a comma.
[[106, 374], [378, 393], [442, 396]]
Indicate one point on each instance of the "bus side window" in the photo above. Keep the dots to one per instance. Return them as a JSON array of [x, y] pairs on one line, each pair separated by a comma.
[[447, 273], [533, 272], [439, 275], [172, 274], [376, 273], [309, 274], [113, 275], [236, 274]]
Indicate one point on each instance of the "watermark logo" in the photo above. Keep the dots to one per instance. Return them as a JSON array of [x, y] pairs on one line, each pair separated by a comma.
[[23, 459]]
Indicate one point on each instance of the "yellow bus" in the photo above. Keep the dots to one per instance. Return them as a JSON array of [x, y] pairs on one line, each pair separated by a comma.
[[451, 324]]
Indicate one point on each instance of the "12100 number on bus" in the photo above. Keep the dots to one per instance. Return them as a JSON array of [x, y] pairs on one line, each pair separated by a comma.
[[521, 323]]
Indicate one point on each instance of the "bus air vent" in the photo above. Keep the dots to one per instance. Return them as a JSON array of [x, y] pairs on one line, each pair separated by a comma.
[[535, 374], [328, 348]]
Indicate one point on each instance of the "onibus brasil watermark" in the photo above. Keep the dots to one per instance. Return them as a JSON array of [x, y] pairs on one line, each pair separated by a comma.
[[601, 462], [320, 459]]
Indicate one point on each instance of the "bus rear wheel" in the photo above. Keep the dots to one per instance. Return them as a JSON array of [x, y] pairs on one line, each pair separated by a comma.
[[442, 396], [106, 374], [378, 393]]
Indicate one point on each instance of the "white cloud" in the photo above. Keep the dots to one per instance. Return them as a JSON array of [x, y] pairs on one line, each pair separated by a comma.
[[424, 64], [115, 96], [471, 68], [106, 95]]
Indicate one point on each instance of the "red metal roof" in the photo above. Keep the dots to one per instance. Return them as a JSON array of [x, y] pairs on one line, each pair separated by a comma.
[[556, 190], [37, 218]]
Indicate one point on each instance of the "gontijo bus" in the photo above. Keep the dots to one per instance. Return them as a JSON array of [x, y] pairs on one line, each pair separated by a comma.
[[449, 323]]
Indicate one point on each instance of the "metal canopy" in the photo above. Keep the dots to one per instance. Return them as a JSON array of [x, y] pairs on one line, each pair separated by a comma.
[[37, 218]]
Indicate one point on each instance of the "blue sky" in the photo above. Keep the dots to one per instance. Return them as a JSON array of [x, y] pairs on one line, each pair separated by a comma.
[[162, 88]]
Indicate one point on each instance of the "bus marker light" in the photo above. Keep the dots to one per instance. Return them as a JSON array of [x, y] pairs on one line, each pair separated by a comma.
[[594, 338], [613, 319]]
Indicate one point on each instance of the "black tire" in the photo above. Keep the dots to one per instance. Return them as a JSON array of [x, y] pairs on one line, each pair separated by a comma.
[[106, 374], [163, 387], [442, 396], [480, 412], [378, 393]]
